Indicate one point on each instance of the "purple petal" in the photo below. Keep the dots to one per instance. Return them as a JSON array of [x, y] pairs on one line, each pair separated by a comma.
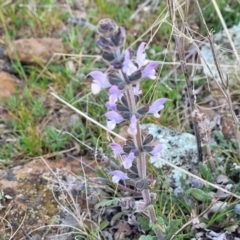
[[100, 81], [141, 55], [127, 160], [157, 106], [157, 149], [149, 71], [116, 148], [133, 125], [111, 124], [114, 90], [100, 78], [114, 116], [111, 105], [128, 66], [118, 175], [136, 90], [114, 94], [96, 88]]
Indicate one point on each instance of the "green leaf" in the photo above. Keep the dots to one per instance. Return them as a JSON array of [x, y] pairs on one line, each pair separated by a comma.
[[144, 223], [200, 195], [107, 203], [159, 225], [173, 226], [147, 237], [206, 173], [100, 172], [104, 224], [117, 216]]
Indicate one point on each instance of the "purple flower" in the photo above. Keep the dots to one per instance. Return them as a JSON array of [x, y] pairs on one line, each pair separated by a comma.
[[100, 81], [118, 175], [136, 90], [113, 118], [114, 90], [116, 148], [133, 125], [114, 94], [111, 104], [149, 71], [141, 55], [156, 150], [157, 106], [127, 160], [128, 66]]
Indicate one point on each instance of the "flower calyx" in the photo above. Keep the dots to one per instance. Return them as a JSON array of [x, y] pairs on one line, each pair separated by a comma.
[[145, 183], [130, 147], [127, 204]]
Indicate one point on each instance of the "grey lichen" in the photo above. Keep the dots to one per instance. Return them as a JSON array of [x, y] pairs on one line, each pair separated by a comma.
[[179, 149], [225, 55]]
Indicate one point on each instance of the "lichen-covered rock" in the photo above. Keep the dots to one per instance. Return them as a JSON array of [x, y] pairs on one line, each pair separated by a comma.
[[178, 149], [225, 54]]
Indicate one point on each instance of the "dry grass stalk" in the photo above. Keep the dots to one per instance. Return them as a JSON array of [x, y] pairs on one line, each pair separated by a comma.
[[224, 84], [180, 48], [205, 127]]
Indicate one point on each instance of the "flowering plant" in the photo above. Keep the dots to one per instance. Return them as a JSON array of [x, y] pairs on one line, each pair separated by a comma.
[[123, 85]]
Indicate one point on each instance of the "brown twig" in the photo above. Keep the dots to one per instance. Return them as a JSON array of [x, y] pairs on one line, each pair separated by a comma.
[[181, 53]]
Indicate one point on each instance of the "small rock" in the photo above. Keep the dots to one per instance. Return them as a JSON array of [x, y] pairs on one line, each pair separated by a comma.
[[74, 119], [196, 183], [34, 50], [5, 66], [7, 84], [216, 207], [222, 179], [237, 209]]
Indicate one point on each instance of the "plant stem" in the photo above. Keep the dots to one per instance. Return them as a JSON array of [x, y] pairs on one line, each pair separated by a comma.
[[141, 160]]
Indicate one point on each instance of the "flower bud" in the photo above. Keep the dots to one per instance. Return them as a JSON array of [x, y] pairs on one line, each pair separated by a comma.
[[117, 64], [119, 38], [148, 139], [108, 56], [114, 78], [105, 44], [143, 110], [126, 115], [153, 197], [122, 108], [135, 76], [107, 27], [127, 204], [128, 148], [148, 149]]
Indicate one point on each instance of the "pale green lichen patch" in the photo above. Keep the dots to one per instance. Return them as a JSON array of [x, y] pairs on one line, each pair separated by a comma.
[[179, 149]]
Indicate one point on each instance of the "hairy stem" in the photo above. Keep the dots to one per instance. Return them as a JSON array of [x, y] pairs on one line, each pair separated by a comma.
[[141, 160]]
